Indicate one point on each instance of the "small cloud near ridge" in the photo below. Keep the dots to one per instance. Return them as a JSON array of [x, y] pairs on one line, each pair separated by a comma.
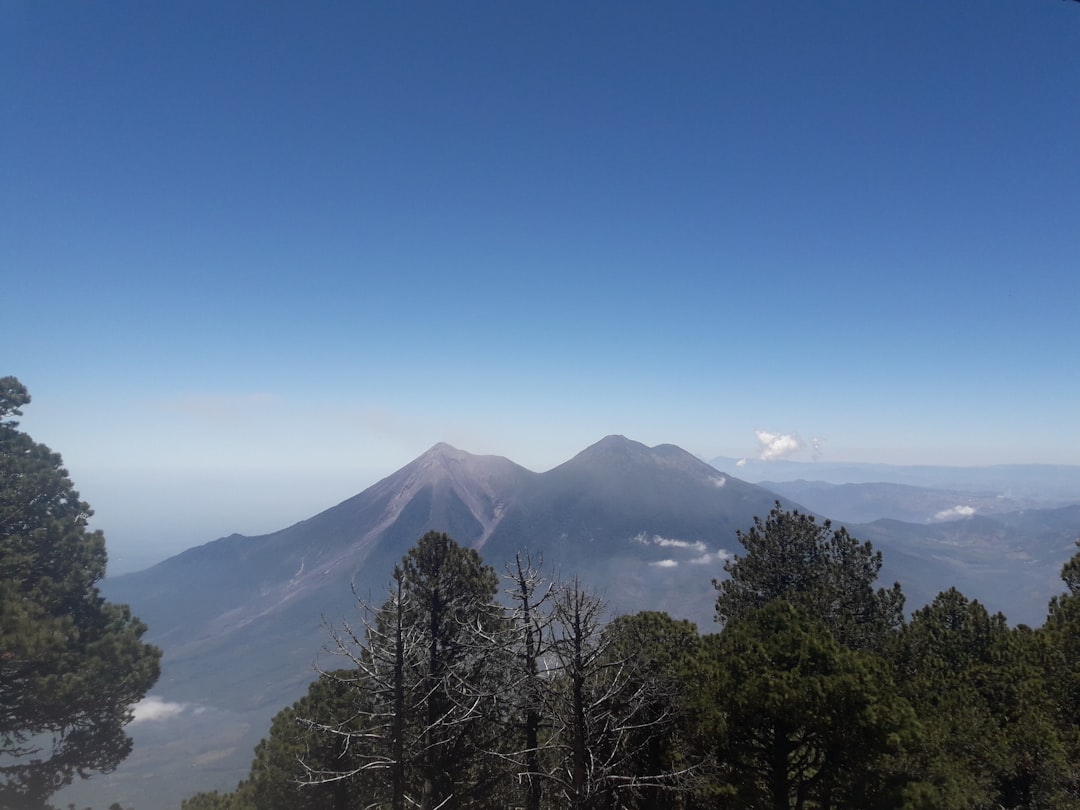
[[698, 547], [955, 513]]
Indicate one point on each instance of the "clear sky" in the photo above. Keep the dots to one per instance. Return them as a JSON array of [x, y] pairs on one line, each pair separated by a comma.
[[256, 255]]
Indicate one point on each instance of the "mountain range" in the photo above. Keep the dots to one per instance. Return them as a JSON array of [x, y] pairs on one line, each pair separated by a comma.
[[242, 620]]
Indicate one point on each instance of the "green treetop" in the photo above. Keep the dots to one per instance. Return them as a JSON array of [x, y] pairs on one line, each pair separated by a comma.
[[827, 573]]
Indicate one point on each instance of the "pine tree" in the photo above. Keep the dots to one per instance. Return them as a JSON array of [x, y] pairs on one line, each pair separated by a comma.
[[828, 573], [71, 664], [809, 723]]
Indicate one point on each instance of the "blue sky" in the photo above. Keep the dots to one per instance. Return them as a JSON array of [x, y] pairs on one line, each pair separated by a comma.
[[257, 255]]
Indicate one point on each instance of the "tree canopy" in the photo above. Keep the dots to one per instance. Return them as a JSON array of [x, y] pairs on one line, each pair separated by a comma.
[[71, 664], [826, 572]]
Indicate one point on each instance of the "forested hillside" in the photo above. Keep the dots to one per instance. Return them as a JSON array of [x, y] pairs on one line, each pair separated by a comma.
[[816, 693]]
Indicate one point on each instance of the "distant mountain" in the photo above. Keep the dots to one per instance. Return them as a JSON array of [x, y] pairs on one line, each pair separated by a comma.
[[240, 619], [1011, 562], [1050, 484], [864, 503]]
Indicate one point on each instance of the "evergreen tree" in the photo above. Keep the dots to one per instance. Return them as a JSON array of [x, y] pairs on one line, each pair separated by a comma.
[[825, 572], [298, 746], [809, 723], [978, 686], [71, 664]]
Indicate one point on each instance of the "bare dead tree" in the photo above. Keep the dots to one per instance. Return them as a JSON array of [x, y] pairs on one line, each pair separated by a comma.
[[423, 675], [377, 735], [530, 595], [601, 708]]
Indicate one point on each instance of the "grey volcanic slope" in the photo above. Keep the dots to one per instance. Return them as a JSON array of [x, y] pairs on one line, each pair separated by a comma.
[[241, 607], [617, 489]]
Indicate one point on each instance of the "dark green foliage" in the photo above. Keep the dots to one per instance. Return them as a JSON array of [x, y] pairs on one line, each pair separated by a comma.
[[450, 603], [71, 664], [1060, 650], [808, 722], [213, 800], [1062, 631], [983, 701], [827, 573], [299, 743]]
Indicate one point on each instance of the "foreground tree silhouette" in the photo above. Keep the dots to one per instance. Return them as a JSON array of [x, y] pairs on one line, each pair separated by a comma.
[[71, 664]]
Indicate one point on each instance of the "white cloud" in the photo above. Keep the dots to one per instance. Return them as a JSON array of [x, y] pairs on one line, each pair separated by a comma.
[[741, 462], [955, 513], [665, 542], [706, 559], [669, 542], [719, 482], [153, 708], [777, 445], [701, 549]]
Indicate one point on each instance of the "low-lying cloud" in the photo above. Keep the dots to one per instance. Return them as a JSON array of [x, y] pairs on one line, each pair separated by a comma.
[[711, 557], [955, 513], [153, 708], [696, 547]]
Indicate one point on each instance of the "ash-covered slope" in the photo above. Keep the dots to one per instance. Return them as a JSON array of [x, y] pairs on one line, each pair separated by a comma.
[[249, 609]]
